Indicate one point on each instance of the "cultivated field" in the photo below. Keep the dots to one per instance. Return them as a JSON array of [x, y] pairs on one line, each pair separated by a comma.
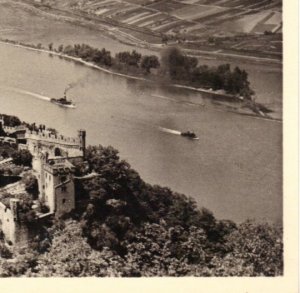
[[248, 27], [267, 45], [194, 17]]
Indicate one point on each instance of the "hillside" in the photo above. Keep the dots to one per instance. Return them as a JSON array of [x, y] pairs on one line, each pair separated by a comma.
[[221, 29], [194, 17], [252, 27], [122, 226]]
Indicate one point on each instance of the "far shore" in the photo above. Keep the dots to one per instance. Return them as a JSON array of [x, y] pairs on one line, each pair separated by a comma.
[[113, 31], [258, 113]]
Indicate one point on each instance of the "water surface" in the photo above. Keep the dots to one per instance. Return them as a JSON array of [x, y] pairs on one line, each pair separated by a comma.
[[234, 169]]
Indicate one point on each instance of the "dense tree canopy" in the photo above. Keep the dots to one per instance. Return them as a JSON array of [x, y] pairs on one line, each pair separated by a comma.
[[129, 58], [149, 62], [159, 232], [31, 185], [10, 120], [182, 68], [153, 250], [22, 157]]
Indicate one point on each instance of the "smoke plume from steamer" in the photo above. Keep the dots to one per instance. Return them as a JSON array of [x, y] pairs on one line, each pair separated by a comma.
[[70, 86], [75, 83]]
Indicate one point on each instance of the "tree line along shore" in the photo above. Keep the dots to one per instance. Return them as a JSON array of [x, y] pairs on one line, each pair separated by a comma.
[[173, 65], [173, 68]]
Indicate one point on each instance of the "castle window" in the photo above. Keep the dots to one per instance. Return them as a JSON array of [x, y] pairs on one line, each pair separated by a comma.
[[57, 152], [64, 188], [64, 200]]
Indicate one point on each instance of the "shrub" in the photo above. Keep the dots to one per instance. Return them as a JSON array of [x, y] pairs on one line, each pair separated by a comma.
[[31, 185], [22, 157], [4, 251]]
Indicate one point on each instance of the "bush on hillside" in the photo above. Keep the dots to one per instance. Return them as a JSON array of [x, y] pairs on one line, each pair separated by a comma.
[[22, 157]]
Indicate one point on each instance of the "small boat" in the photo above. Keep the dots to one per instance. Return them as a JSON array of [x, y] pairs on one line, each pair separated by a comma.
[[189, 134], [63, 102]]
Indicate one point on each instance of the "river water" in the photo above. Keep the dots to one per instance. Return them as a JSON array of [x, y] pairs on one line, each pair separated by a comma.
[[234, 169]]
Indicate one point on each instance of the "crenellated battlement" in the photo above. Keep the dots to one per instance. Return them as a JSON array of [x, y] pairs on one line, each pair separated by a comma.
[[59, 167], [48, 137]]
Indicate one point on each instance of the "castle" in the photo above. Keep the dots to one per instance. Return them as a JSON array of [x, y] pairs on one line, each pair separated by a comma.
[[52, 164], [53, 156]]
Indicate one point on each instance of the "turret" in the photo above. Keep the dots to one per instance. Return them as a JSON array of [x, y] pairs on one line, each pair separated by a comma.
[[82, 136]]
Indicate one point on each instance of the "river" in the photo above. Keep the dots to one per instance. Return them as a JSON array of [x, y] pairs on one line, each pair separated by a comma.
[[234, 169]]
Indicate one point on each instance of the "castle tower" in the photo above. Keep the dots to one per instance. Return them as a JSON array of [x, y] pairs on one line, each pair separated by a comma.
[[18, 232], [82, 137], [59, 186]]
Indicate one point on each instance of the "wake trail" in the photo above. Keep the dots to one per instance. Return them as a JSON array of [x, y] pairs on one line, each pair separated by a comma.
[[172, 131], [20, 91]]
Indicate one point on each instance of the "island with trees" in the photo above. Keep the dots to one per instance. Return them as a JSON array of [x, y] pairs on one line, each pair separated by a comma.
[[173, 64], [173, 68]]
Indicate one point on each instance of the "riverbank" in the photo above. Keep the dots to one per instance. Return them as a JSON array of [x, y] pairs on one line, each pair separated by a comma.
[[242, 107]]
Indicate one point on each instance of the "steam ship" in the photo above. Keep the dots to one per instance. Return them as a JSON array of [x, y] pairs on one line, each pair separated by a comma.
[[64, 102], [189, 134]]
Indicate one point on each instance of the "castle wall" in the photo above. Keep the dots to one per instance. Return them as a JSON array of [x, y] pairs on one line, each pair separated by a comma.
[[44, 136], [7, 223], [13, 230], [65, 150], [22, 234]]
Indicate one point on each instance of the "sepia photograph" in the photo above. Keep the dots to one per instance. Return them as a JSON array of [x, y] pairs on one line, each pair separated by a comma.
[[142, 138]]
